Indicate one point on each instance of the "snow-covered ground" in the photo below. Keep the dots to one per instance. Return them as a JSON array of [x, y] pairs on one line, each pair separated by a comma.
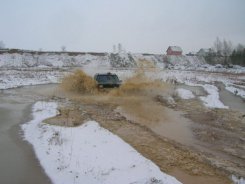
[[17, 78], [185, 94], [90, 153], [197, 78], [198, 63], [27, 60], [124, 60], [87, 154], [240, 91], [31, 69], [185, 61], [212, 100]]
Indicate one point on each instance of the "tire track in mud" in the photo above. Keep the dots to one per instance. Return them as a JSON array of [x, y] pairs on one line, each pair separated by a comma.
[[220, 133]]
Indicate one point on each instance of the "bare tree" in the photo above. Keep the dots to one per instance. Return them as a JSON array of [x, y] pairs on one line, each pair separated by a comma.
[[119, 48], [240, 48], [222, 48], [218, 46], [63, 48], [2, 45], [227, 48]]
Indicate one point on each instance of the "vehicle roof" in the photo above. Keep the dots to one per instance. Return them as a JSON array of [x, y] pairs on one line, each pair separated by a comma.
[[105, 74]]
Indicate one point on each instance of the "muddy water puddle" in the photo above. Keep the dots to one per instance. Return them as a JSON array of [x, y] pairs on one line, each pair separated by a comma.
[[176, 127], [171, 124], [18, 162]]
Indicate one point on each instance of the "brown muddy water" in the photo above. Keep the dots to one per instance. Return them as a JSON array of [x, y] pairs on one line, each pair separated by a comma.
[[18, 162], [169, 124]]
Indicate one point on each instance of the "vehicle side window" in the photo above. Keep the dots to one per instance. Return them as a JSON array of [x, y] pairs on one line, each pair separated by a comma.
[[111, 78], [102, 78], [114, 78]]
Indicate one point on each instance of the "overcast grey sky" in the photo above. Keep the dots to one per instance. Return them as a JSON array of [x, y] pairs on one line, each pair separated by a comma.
[[140, 25]]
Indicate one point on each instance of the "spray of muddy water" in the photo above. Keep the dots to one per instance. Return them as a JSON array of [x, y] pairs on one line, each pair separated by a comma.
[[136, 96], [136, 100], [137, 85], [79, 82]]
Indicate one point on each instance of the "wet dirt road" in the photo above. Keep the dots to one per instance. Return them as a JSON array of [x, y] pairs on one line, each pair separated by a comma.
[[18, 162]]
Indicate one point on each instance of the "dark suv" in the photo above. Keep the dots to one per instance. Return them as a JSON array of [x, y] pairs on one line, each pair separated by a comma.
[[108, 80]]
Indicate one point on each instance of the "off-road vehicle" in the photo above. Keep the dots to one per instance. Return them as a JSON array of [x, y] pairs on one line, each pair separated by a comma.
[[107, 80]]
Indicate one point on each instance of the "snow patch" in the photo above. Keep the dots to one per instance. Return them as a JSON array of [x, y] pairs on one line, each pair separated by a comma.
[[235, 90], [17, 78], [87, 154], [212, 100], [185, 94]]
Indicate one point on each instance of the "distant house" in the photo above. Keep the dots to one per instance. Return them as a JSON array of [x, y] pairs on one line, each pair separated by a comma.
[[174, 50], [205, 52], [191, 54]]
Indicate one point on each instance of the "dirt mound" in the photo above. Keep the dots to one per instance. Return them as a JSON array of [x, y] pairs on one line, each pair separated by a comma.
[[79, 82]]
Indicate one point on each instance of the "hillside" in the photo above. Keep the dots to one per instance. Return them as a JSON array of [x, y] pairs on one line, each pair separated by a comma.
[[19, 59], [26, 59], [184, 60]]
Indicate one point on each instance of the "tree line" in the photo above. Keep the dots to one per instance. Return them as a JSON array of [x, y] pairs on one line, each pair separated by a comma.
[[224, 52]]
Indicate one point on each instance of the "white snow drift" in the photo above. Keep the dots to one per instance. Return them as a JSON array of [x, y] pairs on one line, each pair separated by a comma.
[[17, 78], [87, 154], [212, 100], [185, 94]]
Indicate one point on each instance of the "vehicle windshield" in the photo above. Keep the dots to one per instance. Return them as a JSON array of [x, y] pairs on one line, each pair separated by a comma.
[[107, 78]]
